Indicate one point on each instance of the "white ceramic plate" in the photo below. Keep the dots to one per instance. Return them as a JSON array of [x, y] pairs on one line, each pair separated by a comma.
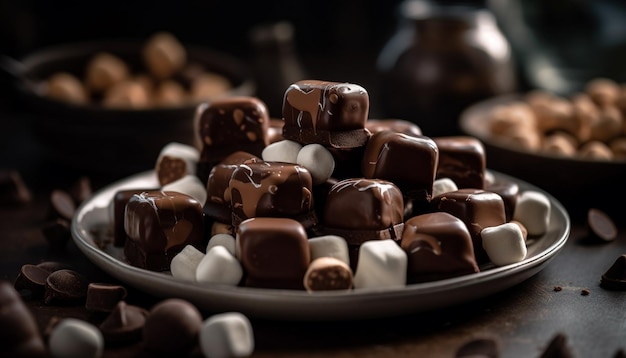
[[92, 219]]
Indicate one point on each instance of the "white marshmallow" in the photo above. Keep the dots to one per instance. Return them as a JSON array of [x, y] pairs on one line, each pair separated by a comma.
[[185, 263], [282, 151], [443, 185], [226, 335], [190, 185], [226, 240], [219, 266], [187, 153], [329, 246], [533, 211], [382, 263], [75, 338], [504, 243], [318, 161]]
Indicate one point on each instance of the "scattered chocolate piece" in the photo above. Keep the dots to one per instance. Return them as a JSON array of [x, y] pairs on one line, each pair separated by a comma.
[[81, 190], [558, 288], [585, 292], [615, 277], [124, 324], [65, 286], [57, 233], [20, 333], [62, 204], [104, 297], [32, 278], [601, 225], [13, 190], [479, 348], [557, 348], [172, 327]]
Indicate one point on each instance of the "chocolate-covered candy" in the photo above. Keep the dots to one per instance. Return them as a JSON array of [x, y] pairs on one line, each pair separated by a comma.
[[124, 324], [103, 297], [615, 277], [65, 287], [217, 207], [477, 208], [158, 225], [332, 114], [462, 159], [274, 252], [20, 334], [395, 125], [360, 209], [33, 279], [172, 327], [438, 246], [387, 157], [227, 125], [272, 189], [117, 208], [508, 190]]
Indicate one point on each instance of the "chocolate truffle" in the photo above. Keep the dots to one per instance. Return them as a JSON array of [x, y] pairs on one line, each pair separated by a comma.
[[477, 208], [387, 157], [227, 125], [274, 252], [172, 327], [332, 114], [360, 209], [158, 225], [271, 189], [20, 334], [438, 246], [462, 159]]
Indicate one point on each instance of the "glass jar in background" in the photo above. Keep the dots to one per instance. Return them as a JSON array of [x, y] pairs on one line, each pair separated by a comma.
[[560, 45], [443, 57]]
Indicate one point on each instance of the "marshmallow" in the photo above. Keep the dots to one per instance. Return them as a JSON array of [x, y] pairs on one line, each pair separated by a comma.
[[329, 246], [533, 211], [219, 266], [328, 273], [185, 263], [282, 151], [189, 184], [318, 161], [226, 240], [504, 243], [226, 335], [382, 263], [443, 185], [175, 161], [74, 338]]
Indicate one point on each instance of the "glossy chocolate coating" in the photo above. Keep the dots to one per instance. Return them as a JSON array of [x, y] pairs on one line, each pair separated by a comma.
[[462, 159], [394, 125], [20, 334], [509, 191], [228, 125], [332, 114], [360, 209], [274, 252], [120, 199], [216, 206], [409, 162], [271, 189], [159, 225], [438, 246], [477, 208]]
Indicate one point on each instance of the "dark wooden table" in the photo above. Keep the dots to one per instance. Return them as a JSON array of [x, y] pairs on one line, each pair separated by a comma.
[[522, 319]]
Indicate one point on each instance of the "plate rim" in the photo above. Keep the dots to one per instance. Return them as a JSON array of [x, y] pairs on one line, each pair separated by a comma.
[[285, 304]]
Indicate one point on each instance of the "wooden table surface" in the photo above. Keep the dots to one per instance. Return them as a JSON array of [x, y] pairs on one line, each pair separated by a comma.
[[522, 319]]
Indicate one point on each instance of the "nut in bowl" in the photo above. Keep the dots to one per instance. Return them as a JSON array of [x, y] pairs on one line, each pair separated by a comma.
[[572, 146], [109, 107]]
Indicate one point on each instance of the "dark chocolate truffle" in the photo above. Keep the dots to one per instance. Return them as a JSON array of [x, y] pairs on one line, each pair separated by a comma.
[[172, 327]]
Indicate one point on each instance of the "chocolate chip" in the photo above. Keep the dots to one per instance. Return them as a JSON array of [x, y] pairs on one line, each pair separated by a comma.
[[57, 233], [557, 348], [479, 348], [33, 279], [124, 324], [104, 297], [62, 204], [615, 277], [65, 286], [601, 225], [13, 190]]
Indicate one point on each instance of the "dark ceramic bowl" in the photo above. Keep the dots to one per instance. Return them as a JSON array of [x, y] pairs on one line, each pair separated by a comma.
[[578, 183], [100, 140]]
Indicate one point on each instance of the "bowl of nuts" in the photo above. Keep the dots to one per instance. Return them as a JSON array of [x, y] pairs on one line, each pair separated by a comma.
[[572, 146], [110, 106]]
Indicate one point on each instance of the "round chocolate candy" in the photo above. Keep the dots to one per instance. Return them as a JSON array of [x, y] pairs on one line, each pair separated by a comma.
[[172, 327]]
